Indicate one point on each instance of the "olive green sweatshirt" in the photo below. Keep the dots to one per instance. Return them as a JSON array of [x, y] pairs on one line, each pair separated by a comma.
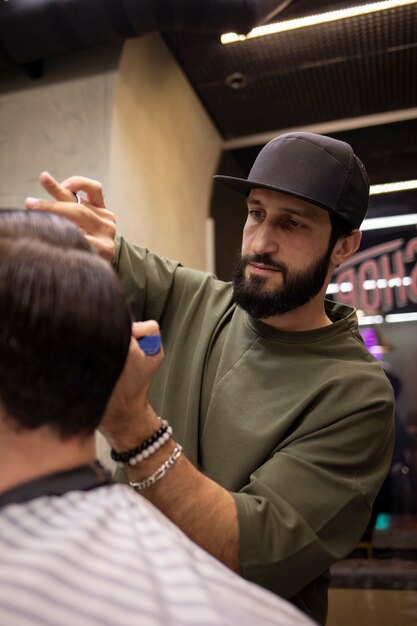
[[297, 425]]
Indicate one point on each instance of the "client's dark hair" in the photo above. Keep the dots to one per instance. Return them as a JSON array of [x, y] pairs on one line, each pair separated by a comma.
[[65, 325]]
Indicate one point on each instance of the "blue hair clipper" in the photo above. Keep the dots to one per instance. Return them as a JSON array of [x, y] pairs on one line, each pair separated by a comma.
[[151, 344]]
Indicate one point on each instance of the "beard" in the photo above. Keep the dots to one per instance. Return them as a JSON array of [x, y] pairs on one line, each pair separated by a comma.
[[296, 290]]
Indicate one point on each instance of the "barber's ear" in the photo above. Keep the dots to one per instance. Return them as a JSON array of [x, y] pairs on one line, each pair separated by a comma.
[[345, 247]]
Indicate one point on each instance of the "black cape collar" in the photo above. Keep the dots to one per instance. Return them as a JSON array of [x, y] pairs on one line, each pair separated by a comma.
[[82, 478]]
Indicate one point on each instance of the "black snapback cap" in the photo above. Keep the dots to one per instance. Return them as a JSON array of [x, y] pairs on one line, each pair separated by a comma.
[[316, 168]]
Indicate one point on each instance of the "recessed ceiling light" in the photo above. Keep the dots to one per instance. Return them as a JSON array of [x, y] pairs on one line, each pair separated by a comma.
[[313, 20], [403, 185], [370, 319], [235, 81], [391, 221], [401, 317]]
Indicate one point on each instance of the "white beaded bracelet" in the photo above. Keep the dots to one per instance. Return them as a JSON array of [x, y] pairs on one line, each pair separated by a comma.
[[160, 472], [158, 443], [144, 449]]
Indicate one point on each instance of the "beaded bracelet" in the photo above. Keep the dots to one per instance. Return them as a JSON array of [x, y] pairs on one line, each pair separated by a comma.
[[160, 472], [146, 448]]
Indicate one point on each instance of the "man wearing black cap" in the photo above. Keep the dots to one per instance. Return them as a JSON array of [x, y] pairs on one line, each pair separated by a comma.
[[267, 385]]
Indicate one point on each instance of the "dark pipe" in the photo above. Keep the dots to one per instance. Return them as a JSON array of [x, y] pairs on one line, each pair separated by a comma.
[[268, 17], [33, 30]]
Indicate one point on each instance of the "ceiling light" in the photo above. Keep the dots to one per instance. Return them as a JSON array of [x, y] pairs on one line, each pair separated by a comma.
[[383, 283], [401, 317], [389, 187], [237, 80], [313, 20], [369, 285], [391, 221], [370, 319], [343, 287], [332, 288]]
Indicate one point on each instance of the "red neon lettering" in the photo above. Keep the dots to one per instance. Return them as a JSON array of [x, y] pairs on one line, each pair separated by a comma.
[[410, 253], [397, 273], [346, 294], [371, 298]]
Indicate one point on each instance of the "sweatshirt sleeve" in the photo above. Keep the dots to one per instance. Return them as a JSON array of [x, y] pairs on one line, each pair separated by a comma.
[[147, 279], [308, 505]]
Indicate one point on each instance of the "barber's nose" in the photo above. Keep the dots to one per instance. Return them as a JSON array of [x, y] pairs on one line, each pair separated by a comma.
[[264, 240]]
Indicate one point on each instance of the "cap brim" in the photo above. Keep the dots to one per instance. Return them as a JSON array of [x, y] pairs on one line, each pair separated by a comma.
[[242, 185]]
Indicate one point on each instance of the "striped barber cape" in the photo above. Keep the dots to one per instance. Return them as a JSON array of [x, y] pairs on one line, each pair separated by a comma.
[[107, 557]]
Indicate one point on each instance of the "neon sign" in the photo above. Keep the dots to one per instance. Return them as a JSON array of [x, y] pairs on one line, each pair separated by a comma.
[[380, 278]]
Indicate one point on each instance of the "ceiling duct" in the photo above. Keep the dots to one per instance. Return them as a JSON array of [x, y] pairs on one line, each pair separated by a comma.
[[277, 9], [35, 30]]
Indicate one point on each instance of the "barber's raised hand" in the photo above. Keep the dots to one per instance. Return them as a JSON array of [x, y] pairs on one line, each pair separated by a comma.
[[95, 221], [129, 418]]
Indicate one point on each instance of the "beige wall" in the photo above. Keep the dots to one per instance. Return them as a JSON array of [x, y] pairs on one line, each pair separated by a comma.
[[60, 122], [164, 151], [131, 121]]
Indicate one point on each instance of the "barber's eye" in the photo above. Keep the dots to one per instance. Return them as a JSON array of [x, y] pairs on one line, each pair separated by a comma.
[[294, 224]]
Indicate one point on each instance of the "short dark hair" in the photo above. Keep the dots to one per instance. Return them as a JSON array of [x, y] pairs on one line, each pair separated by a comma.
[[65, 325], [47, 227], [340, 228]]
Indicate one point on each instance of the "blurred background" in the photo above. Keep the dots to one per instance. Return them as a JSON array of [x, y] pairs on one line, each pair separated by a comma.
[[154, 98]]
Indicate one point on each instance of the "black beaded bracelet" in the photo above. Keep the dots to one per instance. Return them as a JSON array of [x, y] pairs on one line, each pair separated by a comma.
[[146, 448]]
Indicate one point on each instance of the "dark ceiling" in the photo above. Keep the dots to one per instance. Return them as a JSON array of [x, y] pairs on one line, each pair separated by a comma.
[[330, 77], [351, 68], [354, 79]]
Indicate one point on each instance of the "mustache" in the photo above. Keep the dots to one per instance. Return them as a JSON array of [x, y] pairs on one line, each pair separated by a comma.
[[263, 259]]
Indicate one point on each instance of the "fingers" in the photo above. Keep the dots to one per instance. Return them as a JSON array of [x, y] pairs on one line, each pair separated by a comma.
[[92, 189], [142, 329], [104, 245], [55, 189], [92, 221], [65, 191], [64, 208]]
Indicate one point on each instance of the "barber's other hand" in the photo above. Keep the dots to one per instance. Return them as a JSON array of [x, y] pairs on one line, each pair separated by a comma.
[[95, 221], [128, 414]]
